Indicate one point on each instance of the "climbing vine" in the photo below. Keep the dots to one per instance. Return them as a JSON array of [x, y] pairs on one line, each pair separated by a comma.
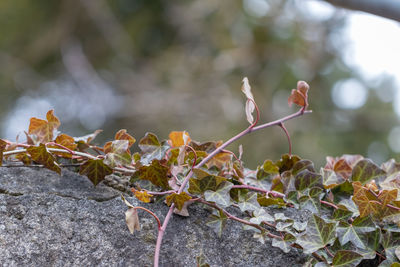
[[354, 204]]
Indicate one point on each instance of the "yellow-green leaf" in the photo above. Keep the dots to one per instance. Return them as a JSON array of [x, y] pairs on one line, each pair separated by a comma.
[[95, 170], [178, 199]]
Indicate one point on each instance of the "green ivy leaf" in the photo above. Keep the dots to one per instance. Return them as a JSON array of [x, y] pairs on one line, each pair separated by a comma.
[[95, 170], [353, 232], [331, 179], [269, 201], [372, 243], [221, 196], [365, 170], [319, 233], [267, 170], [156, 173], [346, 258], [311, 201], [261, 215], [287, 162], [285, 243], [204, 181], [217, 222], [306, 179], [178, 199], [40, 155], [342, 214], [248, 201], [301, 165], [390, 242], [152, 148]]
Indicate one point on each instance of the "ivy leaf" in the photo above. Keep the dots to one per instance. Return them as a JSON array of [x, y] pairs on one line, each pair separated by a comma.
[[311, 201], [40, 155], [3, 145], [386, 196], [132, 220], [342, 214], [221, 196], [149, 143], [319, 233], [287, 162], [246, 89], [84, 141], [155, 173], [365, 170], [217, 222], [392, 182], [220, 160], [66, 141], [204, 181], [372, 243], [123, 135], [299, 96], [391, 242], [24, 158], [331, 179], [143, 196], [306, 179], [117, 153], [366, 203], [95, 170], [267, 170], [269, 201], [248, 201], [44, 129], [285, 243], [152, 148], [346, 258], [303, 164], [354, 232], [179, 138], [178, 199], [261, 215]]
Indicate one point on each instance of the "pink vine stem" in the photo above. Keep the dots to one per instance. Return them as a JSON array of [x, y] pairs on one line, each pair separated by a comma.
[[250, 129]]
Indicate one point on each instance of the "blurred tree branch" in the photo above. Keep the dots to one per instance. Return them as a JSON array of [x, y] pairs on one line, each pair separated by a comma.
[[385, 8]]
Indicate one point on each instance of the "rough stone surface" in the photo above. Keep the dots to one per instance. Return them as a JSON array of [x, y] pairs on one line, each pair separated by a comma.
[[52, 220]]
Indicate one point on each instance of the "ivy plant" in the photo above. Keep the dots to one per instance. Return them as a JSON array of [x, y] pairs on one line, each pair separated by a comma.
[[354, 204]]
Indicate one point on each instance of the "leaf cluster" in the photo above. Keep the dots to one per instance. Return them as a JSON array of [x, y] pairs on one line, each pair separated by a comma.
[[354, 204]]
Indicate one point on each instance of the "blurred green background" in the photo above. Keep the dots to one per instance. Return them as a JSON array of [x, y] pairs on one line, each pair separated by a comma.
[[177, 65]]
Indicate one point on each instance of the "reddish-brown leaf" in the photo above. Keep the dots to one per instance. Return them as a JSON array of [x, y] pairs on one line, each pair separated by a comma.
[[123, 135], [299, 96], [40, 155], [44, 129], [367, 203], [219, 160]]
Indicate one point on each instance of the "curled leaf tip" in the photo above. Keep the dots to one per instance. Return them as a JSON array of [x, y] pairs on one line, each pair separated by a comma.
[[299, 96], [250, 106]]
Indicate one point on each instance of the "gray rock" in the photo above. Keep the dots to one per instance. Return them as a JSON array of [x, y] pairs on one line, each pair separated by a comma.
[[52, 220]]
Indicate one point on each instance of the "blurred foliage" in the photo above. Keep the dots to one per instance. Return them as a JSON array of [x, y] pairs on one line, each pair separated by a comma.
[[177, 65]]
